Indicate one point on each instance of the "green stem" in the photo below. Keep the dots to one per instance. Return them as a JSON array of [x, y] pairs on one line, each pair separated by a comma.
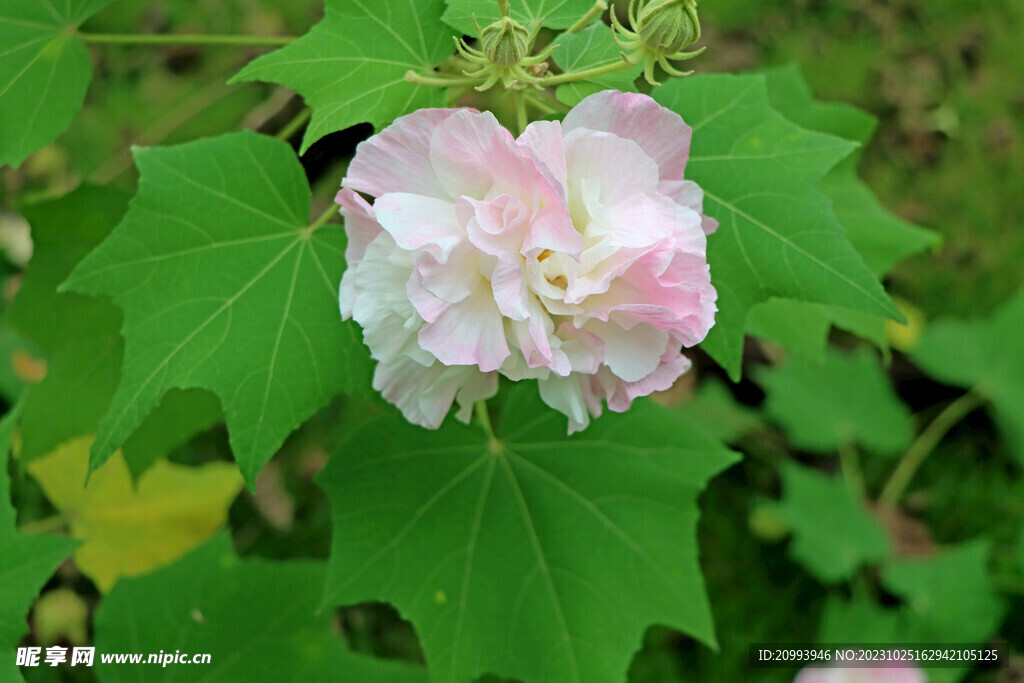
[[850, 463], [925, 442], [484, 418], [46, 525], [184, 39], [570, 76], [593, 13], [522, 119], [543, 104], [322, 221], [439, 82], [296, 124]]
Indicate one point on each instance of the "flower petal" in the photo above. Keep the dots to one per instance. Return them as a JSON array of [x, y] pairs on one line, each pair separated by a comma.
[[660, 132], [425, 393], [470, 332], [633, 353], [398, 158], [418, 222]]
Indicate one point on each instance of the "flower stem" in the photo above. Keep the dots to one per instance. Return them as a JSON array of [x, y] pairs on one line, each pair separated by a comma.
[[850, 463], [439, 82], [544, 105], [522, 119], [296, 124], [570, 76], [925, 442], [330, 213], [184, 39], [484, 418], [45, 525], [593, 13]]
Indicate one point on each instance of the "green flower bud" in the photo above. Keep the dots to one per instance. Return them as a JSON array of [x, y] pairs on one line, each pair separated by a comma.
[[667, 26], [506, 42]]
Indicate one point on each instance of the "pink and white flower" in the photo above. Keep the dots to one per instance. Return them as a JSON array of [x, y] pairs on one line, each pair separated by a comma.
[[574, 255]]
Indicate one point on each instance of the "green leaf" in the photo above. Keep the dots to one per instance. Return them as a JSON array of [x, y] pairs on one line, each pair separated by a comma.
[[224, 286], [28, 562], [718, 413], [79, 335], [131, 529], [987, 354], [593, 46], [833, 534], [555, 14], [44, 72], [796, 326], [949, 596], [879, 237], [882, 238], [845, 400], [778, 235], [207, 603], [351, 66], [536, 556], [81, 339], [803, 327], [861, 621]]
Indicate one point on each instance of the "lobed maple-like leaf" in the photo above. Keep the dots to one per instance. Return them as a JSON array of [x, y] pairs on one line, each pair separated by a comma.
[[351, 66], [225, 285], [534, 556], [778, 235], [44, 72]]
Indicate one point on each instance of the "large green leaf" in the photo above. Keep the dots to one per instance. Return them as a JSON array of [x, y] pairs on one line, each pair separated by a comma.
[[949, 596], [833, 534], [550, 13], [81, 338], [879, 237], [534, 556], [226, 286], [44, 72], [588, 48], [778, 235], [257, 620], [351, 66], [987, 354], [845, 400], [26, 563]]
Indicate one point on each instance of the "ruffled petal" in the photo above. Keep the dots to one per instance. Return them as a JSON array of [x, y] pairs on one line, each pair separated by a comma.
[[398, 158], [425, 393], [468, 333], [417, 222], [361, 227], [660, 132]]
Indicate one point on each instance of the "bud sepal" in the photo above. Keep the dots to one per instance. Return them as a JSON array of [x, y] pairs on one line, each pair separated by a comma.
[[505, 54], [661, 30]]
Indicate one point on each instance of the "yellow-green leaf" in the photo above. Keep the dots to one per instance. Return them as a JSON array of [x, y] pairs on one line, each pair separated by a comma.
[[130, 531]]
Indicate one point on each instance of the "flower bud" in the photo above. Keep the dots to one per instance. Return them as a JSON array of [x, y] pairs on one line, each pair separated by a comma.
[[506, 42], [667, 26]]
